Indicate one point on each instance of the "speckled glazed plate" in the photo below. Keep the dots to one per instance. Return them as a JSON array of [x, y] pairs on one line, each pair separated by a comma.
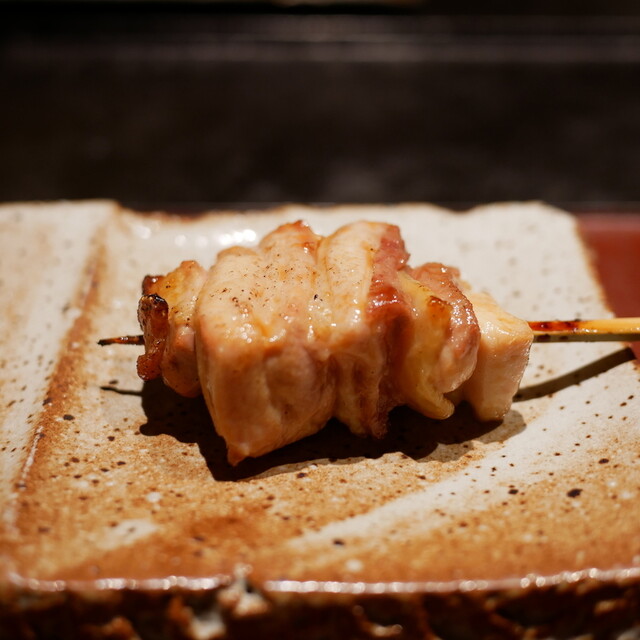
[[122, 519]]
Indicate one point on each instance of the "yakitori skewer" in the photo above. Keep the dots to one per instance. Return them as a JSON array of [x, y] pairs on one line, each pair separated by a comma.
[[602, 330], [281, 337]]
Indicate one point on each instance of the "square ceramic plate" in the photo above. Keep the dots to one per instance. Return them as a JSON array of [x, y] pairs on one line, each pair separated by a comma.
[[112, 490]]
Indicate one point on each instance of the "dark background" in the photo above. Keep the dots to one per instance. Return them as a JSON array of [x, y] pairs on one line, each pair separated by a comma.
[[179, 105]]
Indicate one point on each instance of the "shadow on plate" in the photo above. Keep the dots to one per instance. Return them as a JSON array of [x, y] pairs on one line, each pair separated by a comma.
[[581, 374], [409, 434]]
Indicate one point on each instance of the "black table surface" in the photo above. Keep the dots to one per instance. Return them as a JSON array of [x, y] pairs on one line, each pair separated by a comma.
[[183, 104]]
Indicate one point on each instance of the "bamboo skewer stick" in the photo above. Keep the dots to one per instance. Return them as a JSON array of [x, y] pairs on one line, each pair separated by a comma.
[[606, 329], [122, 340]]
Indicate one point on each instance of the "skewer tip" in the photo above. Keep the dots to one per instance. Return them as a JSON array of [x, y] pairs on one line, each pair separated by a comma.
[[136, 340]]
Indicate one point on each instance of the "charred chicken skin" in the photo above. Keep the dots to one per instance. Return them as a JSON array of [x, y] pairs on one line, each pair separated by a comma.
[[281, 337]]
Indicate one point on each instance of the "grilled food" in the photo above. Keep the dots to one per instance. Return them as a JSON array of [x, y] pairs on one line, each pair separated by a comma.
[[282, 337]]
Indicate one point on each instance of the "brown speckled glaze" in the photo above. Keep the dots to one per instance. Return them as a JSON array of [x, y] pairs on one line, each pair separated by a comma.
[[117, 499]]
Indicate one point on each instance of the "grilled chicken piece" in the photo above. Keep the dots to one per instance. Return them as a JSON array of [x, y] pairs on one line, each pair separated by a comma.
[[266, 375], [458, 356], [284, 336], [502, 357], [443, 350], [166, 314], [361, 263]]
